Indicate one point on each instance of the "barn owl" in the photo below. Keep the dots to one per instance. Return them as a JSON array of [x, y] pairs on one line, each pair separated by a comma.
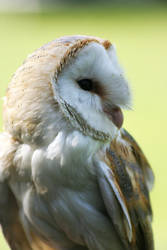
[[71, 178]]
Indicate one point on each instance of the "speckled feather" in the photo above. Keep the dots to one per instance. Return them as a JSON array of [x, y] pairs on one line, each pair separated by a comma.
[[131, 169]]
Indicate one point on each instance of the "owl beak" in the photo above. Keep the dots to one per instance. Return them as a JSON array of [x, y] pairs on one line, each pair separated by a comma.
[[115, 115]]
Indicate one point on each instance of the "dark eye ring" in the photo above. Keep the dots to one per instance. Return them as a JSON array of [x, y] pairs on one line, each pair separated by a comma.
[[86, 84]]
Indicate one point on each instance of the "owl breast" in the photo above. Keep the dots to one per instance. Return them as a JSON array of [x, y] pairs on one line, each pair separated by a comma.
[[60, 195]]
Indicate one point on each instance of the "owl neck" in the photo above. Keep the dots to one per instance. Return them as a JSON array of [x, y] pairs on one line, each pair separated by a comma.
[[73, 154]]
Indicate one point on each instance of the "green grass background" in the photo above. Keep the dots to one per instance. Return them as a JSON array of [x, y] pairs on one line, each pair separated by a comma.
[[141, 40]]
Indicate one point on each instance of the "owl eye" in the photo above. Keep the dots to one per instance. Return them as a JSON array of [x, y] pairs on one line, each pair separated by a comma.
[[86, 84]]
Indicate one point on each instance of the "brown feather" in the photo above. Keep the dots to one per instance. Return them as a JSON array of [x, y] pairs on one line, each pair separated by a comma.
[[129, 166]]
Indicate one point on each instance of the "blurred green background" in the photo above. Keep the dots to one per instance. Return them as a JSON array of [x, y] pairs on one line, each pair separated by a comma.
[[140, 34]]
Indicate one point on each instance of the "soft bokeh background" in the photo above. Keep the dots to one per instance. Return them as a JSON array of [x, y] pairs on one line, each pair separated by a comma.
[[140, 34]]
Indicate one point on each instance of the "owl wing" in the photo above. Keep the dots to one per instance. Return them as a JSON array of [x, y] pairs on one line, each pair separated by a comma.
[[12, 228], [9, 211], [125, 178], [9, 220]]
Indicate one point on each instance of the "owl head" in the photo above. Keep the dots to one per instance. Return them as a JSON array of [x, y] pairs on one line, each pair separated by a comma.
[[72, 83]]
